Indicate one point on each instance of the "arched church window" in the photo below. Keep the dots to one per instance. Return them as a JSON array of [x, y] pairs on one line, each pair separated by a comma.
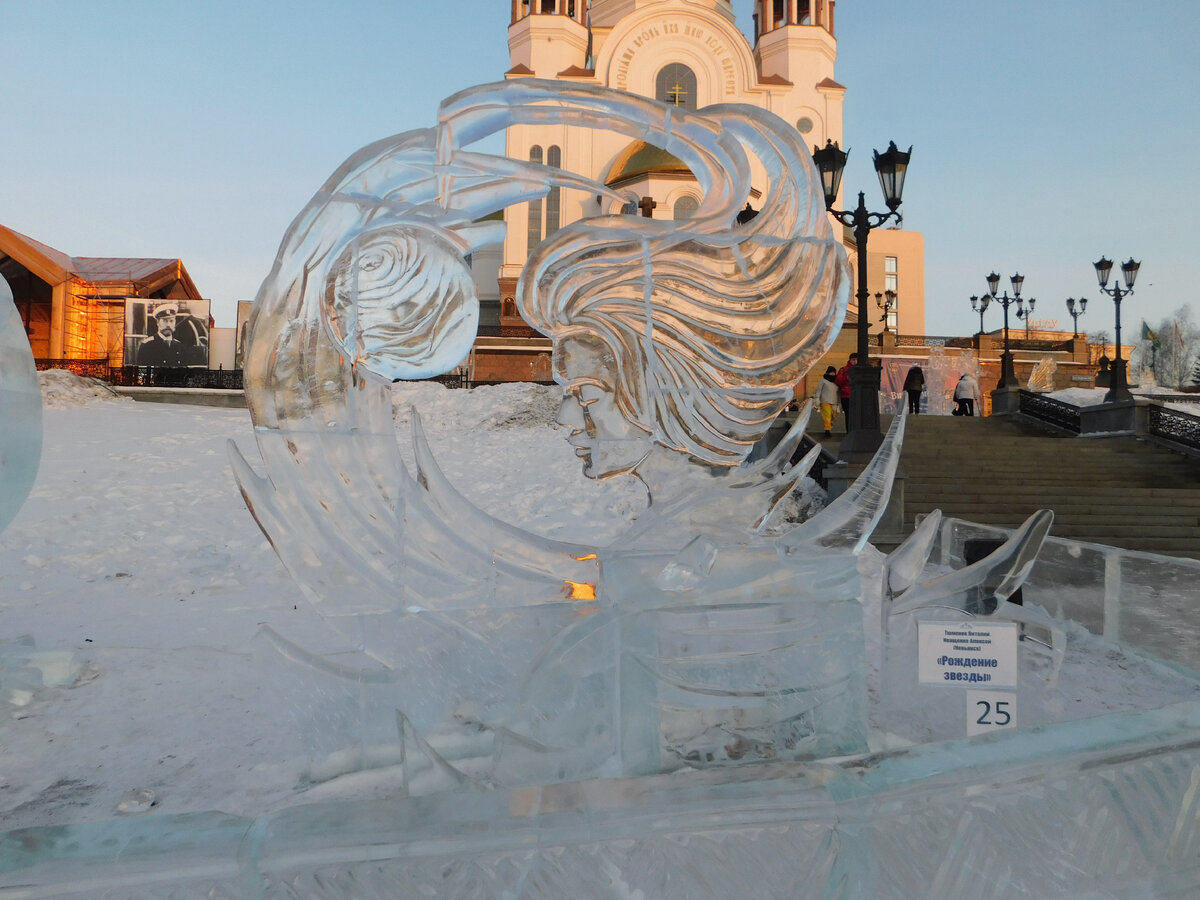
[[676, 84], [685, 208], [535, 208]]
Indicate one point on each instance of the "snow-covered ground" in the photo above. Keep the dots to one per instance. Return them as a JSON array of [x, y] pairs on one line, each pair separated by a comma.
[[134, 581]]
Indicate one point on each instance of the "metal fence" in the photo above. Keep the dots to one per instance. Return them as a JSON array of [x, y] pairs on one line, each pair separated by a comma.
[[148, 376], [219, 379], [1052, 412], [89, 368], [1174, 426], [968, 343]]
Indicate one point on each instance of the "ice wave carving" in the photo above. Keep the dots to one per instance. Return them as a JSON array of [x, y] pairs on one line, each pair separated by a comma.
[[402, 302], [20, 410]]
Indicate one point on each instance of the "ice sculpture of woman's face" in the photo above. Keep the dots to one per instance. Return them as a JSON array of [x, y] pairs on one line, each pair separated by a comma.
[[603, 437]]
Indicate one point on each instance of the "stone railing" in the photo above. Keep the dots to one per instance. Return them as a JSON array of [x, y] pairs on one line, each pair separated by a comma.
[[1142, 416], [932, 340], [1038, 344]]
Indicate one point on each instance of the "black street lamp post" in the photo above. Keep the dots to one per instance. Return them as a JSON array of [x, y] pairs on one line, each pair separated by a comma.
[[1008, 376], [863, 436], [1076, 311], [1118, 387], [1026, 314], [980, 305]]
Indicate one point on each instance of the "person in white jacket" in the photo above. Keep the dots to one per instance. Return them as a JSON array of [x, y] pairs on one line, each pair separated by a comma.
[[966, 393], [827, 398]]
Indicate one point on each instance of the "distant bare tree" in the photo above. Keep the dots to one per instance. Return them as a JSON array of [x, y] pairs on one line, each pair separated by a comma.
[[1175, 342]]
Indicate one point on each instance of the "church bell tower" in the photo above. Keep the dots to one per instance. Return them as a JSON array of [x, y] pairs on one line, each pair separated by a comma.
[[548, 38]]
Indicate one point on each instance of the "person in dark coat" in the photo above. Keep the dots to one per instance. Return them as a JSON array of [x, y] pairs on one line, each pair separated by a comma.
[[843, 382], [161, 349], [174, 342], [914, 384]]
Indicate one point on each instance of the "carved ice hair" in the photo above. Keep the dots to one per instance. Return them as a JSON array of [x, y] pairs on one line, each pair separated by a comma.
[[711, 322]]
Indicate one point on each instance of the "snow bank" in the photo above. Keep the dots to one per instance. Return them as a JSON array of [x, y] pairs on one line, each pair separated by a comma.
[[1079, 396], [62, 389]]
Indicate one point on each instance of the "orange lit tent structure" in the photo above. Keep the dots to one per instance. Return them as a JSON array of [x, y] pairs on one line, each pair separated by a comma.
[[73, 308]]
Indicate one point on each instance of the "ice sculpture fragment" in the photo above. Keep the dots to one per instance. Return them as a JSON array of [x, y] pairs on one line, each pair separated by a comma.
[[1041, 378], [20, 410]]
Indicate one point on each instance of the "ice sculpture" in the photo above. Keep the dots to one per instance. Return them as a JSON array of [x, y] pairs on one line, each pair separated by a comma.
[[486, 656], [1041, 378], [20, 410]]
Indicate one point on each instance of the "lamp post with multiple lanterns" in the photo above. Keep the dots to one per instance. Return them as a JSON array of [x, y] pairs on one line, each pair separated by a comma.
[[1008, 377], [1076, 311], [980, 305], [886, 303], [1118, 387], [863, 436], [1026, 314]]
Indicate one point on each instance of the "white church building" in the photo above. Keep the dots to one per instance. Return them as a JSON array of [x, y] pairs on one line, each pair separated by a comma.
[[690, 53]]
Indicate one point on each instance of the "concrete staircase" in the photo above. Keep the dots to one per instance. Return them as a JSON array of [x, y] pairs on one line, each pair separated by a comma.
[[1118, 491]]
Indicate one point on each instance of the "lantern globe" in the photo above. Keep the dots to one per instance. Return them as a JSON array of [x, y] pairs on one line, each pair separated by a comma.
[[892, 166], [831, 163], [1130, 269]]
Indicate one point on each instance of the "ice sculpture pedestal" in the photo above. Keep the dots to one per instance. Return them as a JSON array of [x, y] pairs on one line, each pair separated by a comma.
[[752, 666], [1108, 807]]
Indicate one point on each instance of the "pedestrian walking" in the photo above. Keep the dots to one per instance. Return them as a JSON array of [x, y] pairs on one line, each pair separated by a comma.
[[843, 383], [966, 393], [914, 384]]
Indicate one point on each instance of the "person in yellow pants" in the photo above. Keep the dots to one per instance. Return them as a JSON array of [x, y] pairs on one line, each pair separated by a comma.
[[827, 399]]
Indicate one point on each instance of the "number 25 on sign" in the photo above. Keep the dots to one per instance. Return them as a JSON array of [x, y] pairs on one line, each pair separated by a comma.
[[990, 711]]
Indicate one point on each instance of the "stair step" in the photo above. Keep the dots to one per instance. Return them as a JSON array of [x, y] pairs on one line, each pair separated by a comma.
[[1062, 513], [1119, 491]]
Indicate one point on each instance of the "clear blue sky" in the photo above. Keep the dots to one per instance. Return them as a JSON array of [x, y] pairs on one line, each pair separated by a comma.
[[1045, 133]]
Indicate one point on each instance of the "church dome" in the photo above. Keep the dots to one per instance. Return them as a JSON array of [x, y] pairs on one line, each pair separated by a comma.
[[641, 158]]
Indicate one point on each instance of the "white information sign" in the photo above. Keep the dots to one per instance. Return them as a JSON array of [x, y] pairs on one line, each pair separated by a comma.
[[990, 711], [967, 654]]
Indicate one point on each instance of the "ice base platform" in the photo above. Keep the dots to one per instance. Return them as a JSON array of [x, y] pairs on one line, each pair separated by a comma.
[[1105, 807]]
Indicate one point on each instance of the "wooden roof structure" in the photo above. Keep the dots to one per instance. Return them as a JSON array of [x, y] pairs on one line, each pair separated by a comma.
[[119, 276]]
